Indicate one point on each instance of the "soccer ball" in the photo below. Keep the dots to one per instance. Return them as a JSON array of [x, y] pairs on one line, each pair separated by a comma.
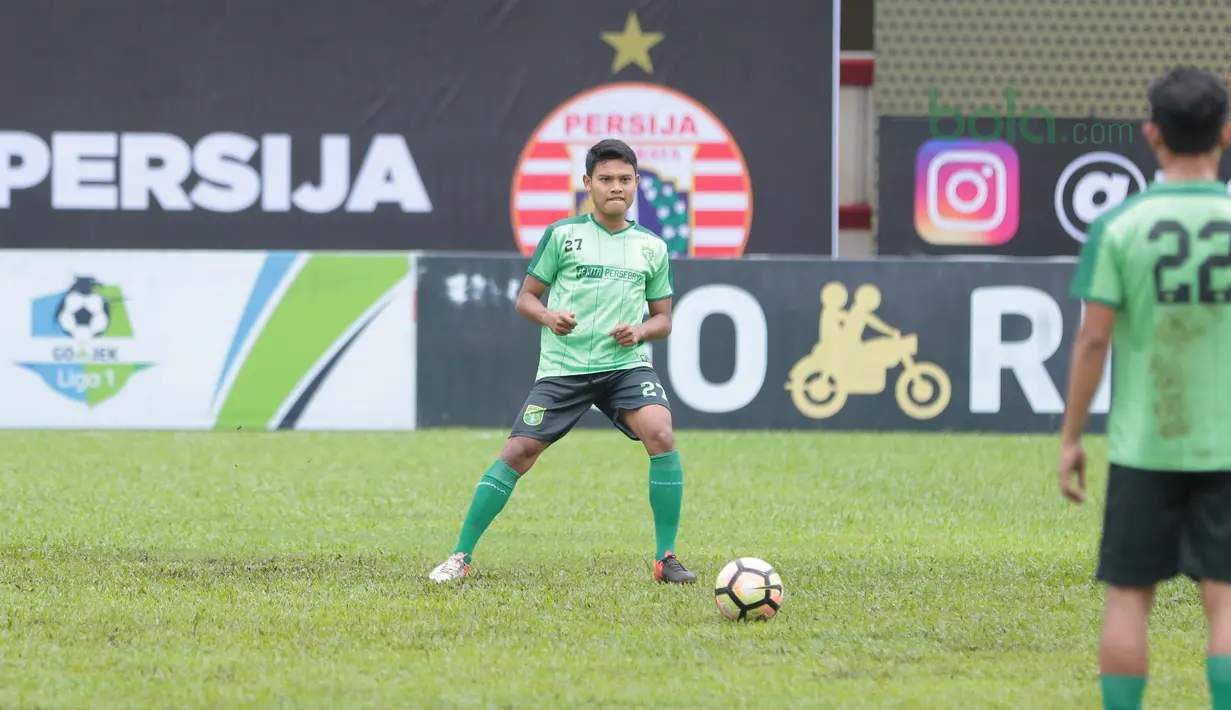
[[748, 589], [84, 313]]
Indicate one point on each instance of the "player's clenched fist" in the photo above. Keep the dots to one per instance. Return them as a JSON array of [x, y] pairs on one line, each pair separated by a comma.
[[561, 323], [626, 335]]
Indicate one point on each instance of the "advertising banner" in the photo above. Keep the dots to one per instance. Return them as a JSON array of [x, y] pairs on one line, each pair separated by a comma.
[[414, 125], [202, 340], [1012, 187], [798, 344]]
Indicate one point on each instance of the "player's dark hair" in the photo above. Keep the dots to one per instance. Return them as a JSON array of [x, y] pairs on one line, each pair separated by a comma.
[[1189, 106], [609, 149]]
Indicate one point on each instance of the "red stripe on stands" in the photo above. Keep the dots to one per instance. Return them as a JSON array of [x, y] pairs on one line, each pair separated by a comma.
[[718, 183], [715, 151], [855, 217], [859, 71], [720, 218], [544, 183], [540, 218], [549, 151]]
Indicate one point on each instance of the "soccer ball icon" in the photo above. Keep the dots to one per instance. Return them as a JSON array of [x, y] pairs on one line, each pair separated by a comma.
[[748, 589], [84, 313]]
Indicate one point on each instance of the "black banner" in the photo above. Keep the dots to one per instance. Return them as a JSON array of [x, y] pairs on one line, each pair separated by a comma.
[[927, 345], [233, 124], [1005, 191]]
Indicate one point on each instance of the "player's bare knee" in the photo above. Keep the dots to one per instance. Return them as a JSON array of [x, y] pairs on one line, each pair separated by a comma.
[[1216, 598], [521, 452], [1130, 599], [659, 440]]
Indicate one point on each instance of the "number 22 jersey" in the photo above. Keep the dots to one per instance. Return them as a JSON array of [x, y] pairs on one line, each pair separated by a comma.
[[1162, 259]]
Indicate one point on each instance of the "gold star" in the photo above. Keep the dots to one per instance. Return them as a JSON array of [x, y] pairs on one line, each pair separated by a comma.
[[632, 45]]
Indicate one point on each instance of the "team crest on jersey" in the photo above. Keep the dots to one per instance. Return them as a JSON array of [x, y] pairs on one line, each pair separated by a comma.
[[648, 253], [695, 191], [533, 415]]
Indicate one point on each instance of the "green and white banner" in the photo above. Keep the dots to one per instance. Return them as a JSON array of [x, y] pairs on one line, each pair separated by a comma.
[[201, 340]]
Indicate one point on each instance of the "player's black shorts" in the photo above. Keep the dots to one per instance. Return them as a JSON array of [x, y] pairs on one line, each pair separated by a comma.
[[556, 404], [1161, 524]]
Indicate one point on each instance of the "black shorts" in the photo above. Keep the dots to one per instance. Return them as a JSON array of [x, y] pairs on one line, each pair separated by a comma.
[[1161, 524], [556, 404]]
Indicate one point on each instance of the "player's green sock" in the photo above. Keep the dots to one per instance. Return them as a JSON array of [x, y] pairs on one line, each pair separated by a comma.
[[1218, 673], [1123, 692], [666, 497], [492, 493]]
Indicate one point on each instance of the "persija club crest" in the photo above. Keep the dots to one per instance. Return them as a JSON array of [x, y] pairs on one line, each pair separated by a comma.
[[695, 190]]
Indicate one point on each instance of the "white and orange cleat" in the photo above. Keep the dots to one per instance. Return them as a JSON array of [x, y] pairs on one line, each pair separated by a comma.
[[451, 569]]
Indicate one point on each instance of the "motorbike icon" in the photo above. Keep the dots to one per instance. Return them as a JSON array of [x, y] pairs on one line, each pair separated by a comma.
[[820, 383]]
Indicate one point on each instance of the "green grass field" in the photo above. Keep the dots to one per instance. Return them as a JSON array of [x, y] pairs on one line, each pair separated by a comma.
[[158, 570]]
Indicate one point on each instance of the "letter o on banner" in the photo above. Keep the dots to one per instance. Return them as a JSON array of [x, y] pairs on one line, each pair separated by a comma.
[[684, 353]]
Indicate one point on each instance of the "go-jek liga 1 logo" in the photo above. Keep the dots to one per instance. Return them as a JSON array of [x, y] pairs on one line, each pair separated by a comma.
[[695, 190], [85, 327]]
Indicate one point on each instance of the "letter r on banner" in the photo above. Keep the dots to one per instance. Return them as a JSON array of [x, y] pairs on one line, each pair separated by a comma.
[[1027, 359]]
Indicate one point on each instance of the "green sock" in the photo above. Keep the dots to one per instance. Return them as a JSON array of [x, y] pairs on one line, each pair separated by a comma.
[[1123, 692], [1218, 673], [666, 497], [492, 493]]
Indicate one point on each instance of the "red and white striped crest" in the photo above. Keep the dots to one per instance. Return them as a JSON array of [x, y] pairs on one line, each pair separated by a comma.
[[698, 196]]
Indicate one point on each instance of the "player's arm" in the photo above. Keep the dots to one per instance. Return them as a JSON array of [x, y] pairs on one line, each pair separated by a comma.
[[543, 269], [658, 325], [1086, 367], [530, 306], [658, 294], [1097, 283]]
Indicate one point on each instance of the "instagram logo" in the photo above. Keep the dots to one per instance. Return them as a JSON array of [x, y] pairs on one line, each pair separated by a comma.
[[966, 192]]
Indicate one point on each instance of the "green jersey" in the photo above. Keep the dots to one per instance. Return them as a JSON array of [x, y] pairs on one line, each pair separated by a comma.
[[1162, 259], [604, 277]]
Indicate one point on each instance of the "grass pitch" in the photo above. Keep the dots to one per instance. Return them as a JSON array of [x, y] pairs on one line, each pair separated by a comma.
[[155, 570]]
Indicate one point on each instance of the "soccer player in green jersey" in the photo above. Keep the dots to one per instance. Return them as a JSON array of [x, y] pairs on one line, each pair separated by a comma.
[[602, 270], [1155, 276]]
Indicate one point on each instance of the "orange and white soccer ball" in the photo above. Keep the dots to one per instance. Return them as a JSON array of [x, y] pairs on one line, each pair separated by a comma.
[[748, 589]]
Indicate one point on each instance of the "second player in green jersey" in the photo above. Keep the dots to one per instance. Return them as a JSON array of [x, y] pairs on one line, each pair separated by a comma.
[[1155, 276]]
